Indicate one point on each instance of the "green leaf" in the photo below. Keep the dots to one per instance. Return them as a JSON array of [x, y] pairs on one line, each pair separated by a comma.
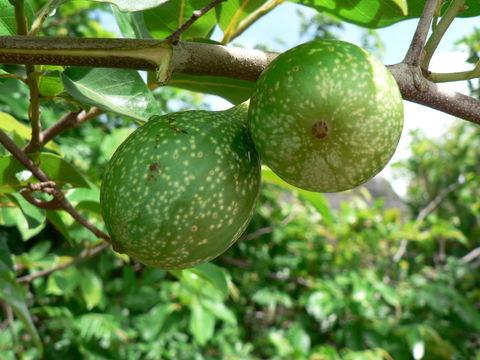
[[8, 25], [9, 124], [15, 294], [50, 84], [317, 200], [131, 24], [233, 90], [117, 90], [64, 282], [378, 13], [202, 323], [128, 5], [56, 219], [34, 215], [168, 17], [91, 287], [219, 310], [213, 274], [14, 176]]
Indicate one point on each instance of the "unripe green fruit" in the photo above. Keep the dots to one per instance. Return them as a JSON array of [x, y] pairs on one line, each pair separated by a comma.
[[182, 188], [326, 116]]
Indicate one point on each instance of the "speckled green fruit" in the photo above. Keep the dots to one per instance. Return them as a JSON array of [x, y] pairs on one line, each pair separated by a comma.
[[182, 188], [326, 116]]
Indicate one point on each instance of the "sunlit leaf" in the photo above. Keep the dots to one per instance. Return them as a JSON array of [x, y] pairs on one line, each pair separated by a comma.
[[8, 25], [117, 90], [131, 24], [163, 20], [9, 124], [202, 322], [128, 5]]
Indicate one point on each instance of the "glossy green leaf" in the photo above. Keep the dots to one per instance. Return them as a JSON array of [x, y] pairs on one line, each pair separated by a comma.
[[213, 274], [168, 17], [202, 322], [317, 200], [117, 90], [234, 90], [15, 294], [9, 124], [128, 5], [91, 287], [378, 13], [4, 75], [14, 176]]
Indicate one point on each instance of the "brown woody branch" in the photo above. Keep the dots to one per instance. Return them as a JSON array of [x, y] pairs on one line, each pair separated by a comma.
[[56, 192], [205, 59]]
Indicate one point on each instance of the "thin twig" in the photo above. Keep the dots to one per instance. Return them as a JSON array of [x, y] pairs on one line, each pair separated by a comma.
[[415, 51], [40, 175], [42, 15], [70, 120], [472, 255], [455, 7], [197, 14], [84, 255], [437, 200]]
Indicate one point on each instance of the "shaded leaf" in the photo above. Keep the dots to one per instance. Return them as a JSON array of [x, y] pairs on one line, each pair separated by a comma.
[[234, 90], [131, 24], [117, 90], [14, 294], [34, 215], [91, 287]]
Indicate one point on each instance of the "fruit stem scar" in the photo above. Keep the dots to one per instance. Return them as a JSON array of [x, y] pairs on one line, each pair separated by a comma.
[[320, 129]]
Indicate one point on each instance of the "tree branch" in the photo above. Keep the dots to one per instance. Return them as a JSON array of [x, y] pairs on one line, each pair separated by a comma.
[[70, 120], [40, 175], [206, 59], [415, 51], [84, 255]]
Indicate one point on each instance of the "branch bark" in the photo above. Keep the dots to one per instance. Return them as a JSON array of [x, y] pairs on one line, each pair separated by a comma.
[[206, 59]]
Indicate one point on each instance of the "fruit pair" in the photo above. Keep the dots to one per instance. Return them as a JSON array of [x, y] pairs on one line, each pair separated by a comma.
[[325, 116]]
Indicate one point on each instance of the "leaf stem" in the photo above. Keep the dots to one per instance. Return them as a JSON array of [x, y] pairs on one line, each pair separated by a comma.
[[455, 76], [455, 7], [414, 53], [231, 33]]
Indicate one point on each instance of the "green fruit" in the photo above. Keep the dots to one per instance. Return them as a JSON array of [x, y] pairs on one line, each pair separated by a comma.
[[182, 188], [326, 116]]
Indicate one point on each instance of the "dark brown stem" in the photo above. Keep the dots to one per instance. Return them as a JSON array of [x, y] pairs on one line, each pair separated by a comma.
[[84, 255], [40, 175], [414, 54], [197, 14]]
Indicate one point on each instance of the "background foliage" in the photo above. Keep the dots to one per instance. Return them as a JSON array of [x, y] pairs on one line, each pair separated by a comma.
[[306, 281]]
